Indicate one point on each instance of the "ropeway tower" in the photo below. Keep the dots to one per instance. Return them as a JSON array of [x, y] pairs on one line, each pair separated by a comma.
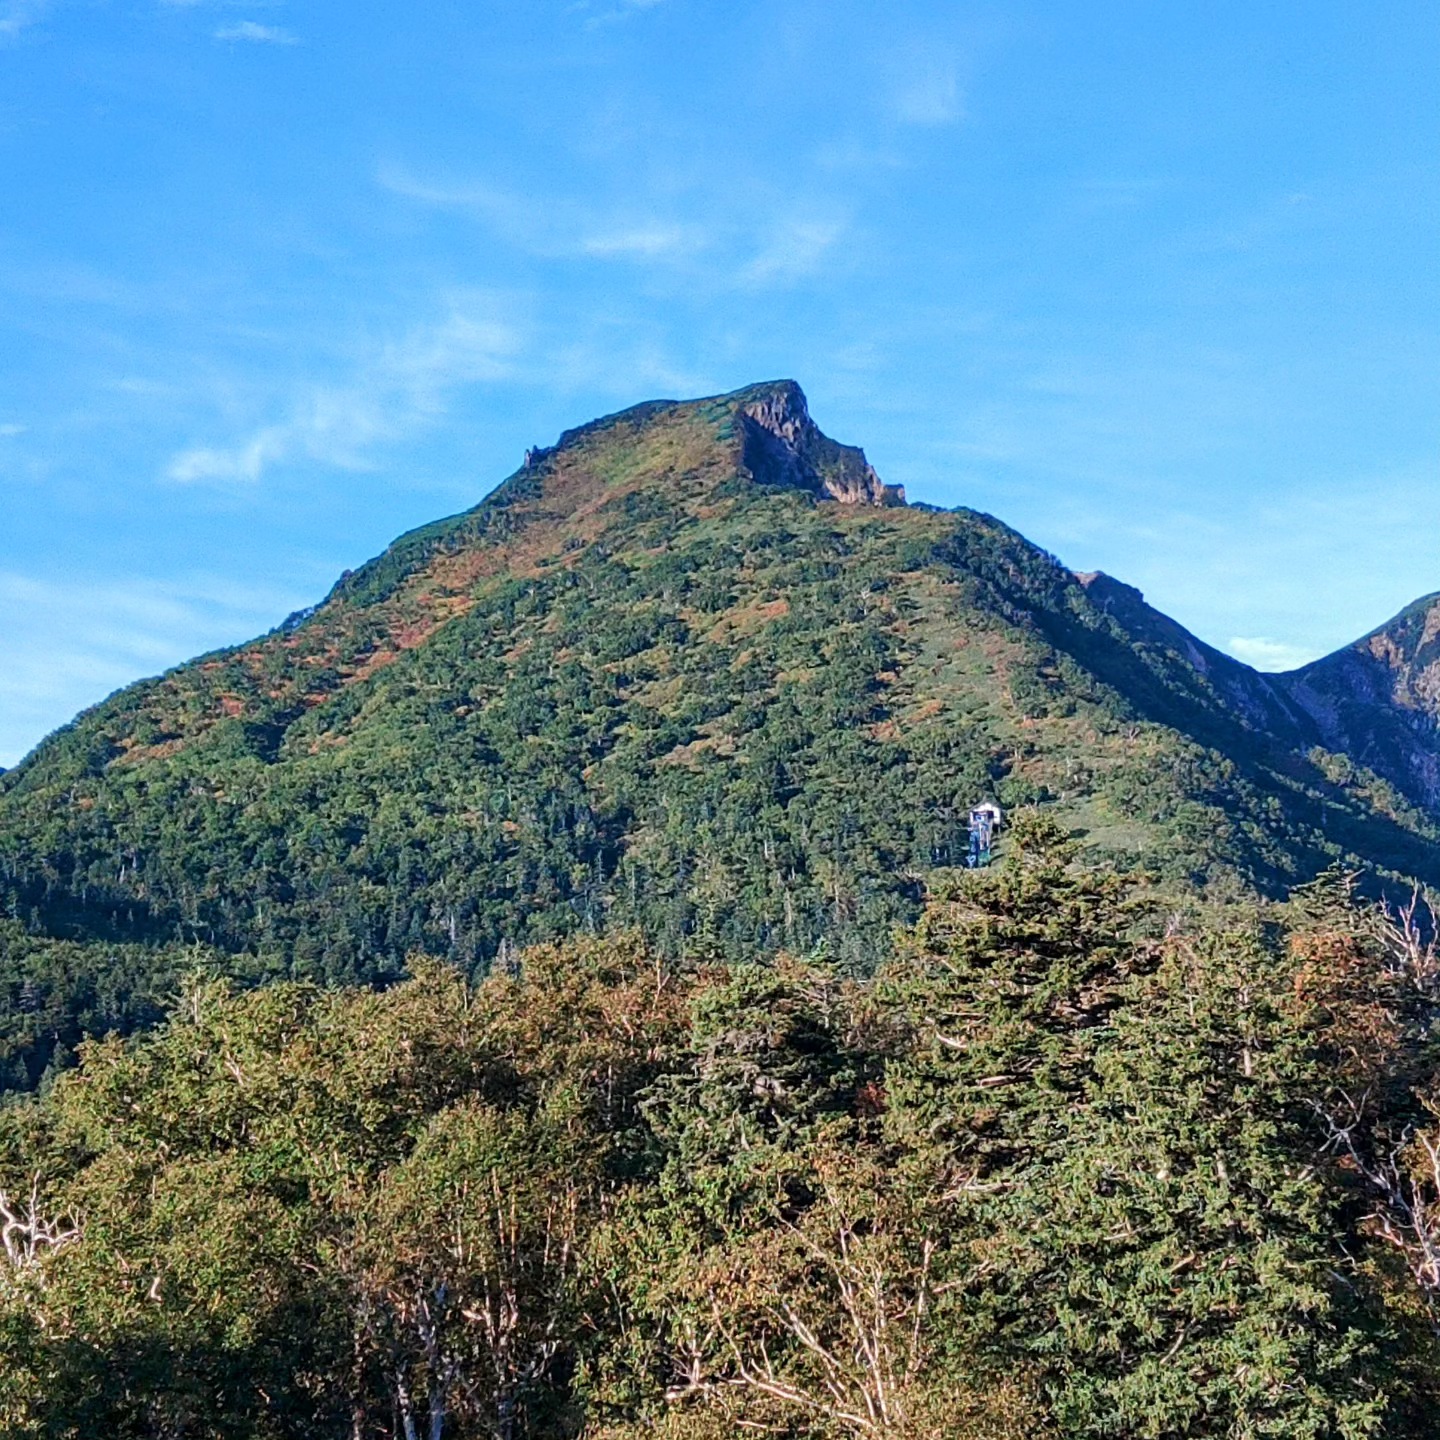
[[985, 820]]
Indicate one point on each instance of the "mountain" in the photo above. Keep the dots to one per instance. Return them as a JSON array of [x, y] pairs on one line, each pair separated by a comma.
[[1378, 700], [697, 670]]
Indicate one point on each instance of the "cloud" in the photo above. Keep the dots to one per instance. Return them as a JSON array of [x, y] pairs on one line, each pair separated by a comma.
[[646, 241], [553, 229], [10, 431], [247, 461], [610, 14], [257, 34], [1266, 654], [858, 156], [18, 15], [395, 391], [927, 92], [485, 201], [776, 243], [622, 358], [795, 249]]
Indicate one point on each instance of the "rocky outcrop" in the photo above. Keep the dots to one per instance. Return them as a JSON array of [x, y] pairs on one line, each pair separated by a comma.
[[783, 446]]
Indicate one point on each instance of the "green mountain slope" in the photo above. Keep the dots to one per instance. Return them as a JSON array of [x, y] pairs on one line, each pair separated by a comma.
[[695, 669]]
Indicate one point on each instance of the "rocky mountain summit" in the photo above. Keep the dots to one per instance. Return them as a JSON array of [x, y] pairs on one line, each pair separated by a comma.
[[784, 446]]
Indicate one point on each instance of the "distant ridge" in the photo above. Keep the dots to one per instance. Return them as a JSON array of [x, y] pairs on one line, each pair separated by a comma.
[[1378, 700]]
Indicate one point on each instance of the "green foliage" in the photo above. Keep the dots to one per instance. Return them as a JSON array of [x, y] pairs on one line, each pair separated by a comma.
[[1128, 1119], [1086, 1144], [1066, 1166], [297, 1209], [54, 993]]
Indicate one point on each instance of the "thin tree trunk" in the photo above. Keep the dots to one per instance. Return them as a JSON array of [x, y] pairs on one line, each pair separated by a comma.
[[407, 1410], [358, 1421]]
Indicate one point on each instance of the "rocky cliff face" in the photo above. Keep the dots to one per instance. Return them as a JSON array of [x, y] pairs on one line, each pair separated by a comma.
[[783, 446]]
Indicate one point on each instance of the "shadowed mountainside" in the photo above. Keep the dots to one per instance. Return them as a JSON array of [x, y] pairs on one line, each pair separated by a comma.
[[1378, 700]]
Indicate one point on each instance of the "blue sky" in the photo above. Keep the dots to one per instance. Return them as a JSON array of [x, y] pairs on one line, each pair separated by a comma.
[[1154, 283]]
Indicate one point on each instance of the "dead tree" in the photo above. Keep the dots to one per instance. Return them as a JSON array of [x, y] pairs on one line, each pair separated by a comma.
[[27, 1235]]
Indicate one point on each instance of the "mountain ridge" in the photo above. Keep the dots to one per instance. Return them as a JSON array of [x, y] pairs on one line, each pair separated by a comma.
[[780, 440], [694, 670]]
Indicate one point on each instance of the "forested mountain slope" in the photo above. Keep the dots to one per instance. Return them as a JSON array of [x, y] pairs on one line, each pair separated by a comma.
[[694, 670]]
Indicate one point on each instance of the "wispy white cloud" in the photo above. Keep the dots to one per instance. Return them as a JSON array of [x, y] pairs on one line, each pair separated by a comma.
[[777, 242], [10, 430], [486, 202], [609, 14], [551, 228], [930, 96], [857, 155], [257, 34], [1265, 654], [18, 15], [646, 241], [395, 391], [621, 359], [922, 82], [797, 248], [67, 643], [246, 461]]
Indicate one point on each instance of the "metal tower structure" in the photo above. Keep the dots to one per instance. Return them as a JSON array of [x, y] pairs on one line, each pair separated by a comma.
[[984, 822]]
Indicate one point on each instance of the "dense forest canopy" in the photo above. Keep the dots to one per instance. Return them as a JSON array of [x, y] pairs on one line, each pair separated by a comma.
[[534, 994], [1068, 1164]]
